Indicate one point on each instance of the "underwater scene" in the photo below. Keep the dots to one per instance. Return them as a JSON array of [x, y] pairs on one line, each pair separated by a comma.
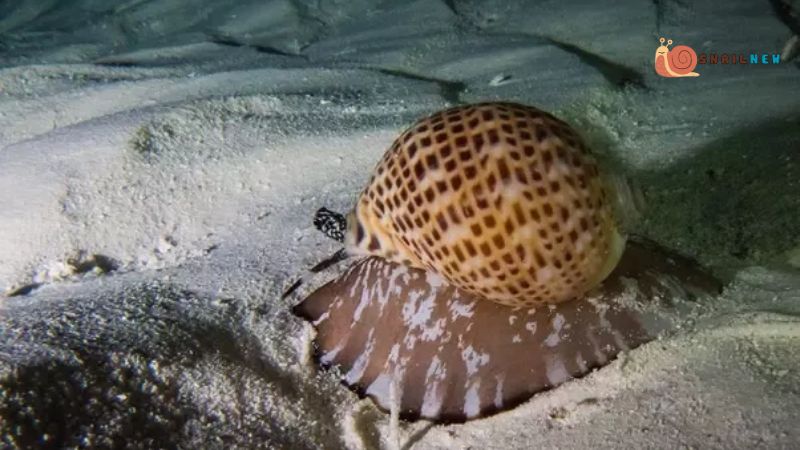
[[455, 224]]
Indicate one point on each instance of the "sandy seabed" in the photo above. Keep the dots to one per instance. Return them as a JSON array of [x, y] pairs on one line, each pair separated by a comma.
[[160, 162]]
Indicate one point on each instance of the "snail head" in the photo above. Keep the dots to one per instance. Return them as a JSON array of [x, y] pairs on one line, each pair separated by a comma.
[[331, 224], [663, 49]]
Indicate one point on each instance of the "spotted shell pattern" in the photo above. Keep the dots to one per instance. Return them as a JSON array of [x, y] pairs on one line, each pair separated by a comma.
[[500, 199]]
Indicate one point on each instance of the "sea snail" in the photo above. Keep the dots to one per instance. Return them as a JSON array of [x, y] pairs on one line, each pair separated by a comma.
[[492, 267], [678, 62]]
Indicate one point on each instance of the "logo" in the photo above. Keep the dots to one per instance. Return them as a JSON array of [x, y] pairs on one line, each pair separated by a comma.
[[681, 60], [677, 62]]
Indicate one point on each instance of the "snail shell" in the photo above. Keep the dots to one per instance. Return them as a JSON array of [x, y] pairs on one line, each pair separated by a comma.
[[682, 59], [502, 200]]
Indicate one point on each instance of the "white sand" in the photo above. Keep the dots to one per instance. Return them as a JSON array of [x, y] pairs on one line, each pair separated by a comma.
[[196, 166]]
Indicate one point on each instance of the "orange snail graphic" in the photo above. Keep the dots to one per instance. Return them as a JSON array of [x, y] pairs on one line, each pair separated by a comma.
[[678, 62]]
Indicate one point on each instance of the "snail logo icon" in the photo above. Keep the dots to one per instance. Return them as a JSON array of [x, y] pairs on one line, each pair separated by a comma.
[[679, 61]]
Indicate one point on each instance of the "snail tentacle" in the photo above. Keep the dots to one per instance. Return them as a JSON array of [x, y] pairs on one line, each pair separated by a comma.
[[335, 258]]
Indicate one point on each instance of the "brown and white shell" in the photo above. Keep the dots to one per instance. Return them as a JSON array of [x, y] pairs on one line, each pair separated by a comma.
[[502, 200]]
